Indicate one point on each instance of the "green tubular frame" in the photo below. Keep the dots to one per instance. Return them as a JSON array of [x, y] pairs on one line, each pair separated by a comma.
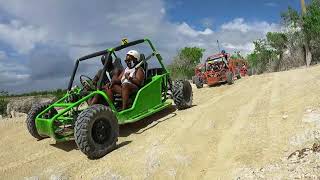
[[149, 100]]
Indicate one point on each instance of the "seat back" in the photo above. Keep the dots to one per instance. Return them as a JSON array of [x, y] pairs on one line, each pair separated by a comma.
[[144, 65], [155, 71]]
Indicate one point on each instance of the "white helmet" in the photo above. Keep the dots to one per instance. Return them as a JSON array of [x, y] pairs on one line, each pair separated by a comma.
[[134, 53]]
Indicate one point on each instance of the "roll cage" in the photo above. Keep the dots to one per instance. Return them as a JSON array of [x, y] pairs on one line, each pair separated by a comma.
[[108, 53]]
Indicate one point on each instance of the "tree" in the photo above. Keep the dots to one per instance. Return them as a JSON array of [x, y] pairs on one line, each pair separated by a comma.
[[311, 20], [308, 26], [291, 18], [236, 55], [185, 61], [262, 56], [301, 30], [278, 41], [4, 93], [311, 28]]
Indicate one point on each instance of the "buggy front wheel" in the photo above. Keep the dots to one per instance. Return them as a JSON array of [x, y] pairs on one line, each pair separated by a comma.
[[96, 131]]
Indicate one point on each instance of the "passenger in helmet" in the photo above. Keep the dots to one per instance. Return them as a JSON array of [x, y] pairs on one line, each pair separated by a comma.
[[129, 80]]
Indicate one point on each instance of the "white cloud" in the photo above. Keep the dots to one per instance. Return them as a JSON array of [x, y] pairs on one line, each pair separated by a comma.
[[247, 47], [12, 73], [21, 38], [185, 29], [239, 24], [163, 10], [271, 4], [3, 55], [80, 27]]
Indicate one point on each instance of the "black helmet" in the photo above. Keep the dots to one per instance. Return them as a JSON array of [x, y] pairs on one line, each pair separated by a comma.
[[223, 52]]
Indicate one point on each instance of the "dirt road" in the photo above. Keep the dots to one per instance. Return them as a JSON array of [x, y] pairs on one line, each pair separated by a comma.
[[247, 124]]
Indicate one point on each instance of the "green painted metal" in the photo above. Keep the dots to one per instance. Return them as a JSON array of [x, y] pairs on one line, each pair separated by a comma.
[[62, 105], [148, 100]]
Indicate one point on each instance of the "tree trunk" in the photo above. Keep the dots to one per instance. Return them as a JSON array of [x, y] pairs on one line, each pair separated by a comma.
[[308, 55]]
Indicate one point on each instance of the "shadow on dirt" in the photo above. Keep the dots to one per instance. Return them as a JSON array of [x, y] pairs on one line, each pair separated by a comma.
[[193, 105], [138, 127], [219, 84], [143, 125], [71, 145], [66, 146]]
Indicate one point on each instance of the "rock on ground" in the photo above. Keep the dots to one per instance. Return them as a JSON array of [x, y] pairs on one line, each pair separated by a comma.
[[19, 105]]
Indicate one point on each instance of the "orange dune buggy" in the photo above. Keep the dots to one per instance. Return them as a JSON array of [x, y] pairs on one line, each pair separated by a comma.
[[215, 70]]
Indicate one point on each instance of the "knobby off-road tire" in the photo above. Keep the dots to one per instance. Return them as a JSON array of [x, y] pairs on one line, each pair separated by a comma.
[[198, 82], [182, 94], [32, 114], [238, 74], [193, 79], [229, 77], [96, 131]]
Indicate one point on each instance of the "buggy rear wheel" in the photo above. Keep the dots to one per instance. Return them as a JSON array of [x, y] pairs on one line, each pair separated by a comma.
[[193, 79], [238, 74], [229, 77], [182, 94], [96, 131], [198, 82], [35, 110]]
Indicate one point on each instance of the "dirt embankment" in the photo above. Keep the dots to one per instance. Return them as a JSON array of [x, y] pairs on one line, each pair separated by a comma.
[[240, 131]]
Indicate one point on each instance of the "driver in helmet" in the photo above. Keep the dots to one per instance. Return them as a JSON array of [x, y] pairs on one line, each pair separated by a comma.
[[110, 72], [129, 80], [225, 55]]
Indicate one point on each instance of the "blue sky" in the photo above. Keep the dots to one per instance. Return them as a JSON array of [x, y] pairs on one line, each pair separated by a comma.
[[220, 11], [40, 40]]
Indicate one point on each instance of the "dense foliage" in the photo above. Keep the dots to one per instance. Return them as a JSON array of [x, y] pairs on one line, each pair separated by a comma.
[[3, 105], [300, 32], [184, 63]]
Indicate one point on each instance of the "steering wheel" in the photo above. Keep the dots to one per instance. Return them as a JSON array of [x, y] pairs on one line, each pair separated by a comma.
[[87, 82]]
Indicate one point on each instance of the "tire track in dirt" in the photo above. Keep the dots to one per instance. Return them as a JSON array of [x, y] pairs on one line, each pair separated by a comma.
[[223, 156], [201, 133]]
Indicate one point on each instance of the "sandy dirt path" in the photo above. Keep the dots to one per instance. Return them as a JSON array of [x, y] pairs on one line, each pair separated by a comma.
[[245, 124]]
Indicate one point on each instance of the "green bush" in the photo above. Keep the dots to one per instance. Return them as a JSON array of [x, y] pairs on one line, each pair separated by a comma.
[[3, 105], [185, 61], [59, 93]]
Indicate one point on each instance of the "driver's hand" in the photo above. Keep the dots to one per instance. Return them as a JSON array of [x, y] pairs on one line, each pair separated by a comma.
[[87, 87], [107, 86]]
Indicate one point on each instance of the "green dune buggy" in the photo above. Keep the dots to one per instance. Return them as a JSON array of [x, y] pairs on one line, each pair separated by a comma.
[[95, 128]]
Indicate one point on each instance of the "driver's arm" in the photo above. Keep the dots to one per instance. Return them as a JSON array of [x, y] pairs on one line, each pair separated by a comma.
[[96, 77], [116, 79]]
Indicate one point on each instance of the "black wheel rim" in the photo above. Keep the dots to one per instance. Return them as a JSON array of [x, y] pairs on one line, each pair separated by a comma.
[[101, 131]]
